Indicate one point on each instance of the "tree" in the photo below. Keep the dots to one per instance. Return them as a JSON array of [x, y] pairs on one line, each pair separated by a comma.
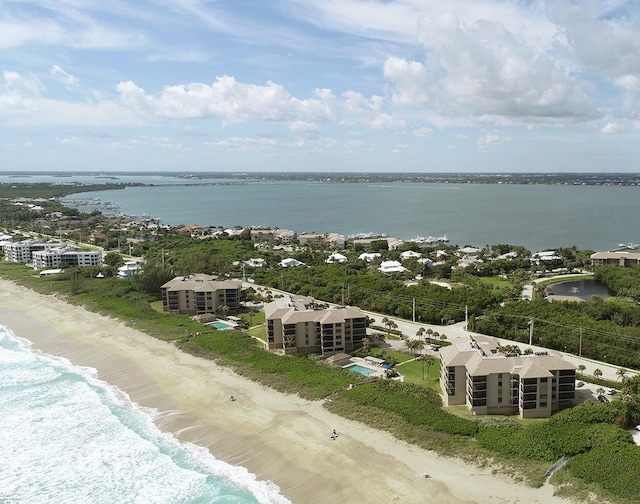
[[420, 333], [622, 373], [597, 373], [430, 333], [411, 345], [390, 325], [113, 259], [366, 345], [430, 362], [581, 368]]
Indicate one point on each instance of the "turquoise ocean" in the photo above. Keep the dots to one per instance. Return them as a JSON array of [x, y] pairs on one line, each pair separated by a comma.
[[68, 437]]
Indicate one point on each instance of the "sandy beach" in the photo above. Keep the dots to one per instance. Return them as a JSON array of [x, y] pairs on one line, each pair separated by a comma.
[[278, 437]]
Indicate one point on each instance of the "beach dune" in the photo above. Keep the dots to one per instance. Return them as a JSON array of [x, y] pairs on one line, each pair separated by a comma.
[[278, 437]]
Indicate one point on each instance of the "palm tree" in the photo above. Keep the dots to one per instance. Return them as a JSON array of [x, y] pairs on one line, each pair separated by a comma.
[[430, 362], [430, 333], [411, 345], [597, 373], [622, 373], [366, 345], [420, 333], [581, 368]]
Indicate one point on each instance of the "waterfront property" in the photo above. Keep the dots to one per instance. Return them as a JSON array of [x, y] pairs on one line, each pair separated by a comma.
[[627, 259], [65, 256], [297, 324], [47, 255], [197, 294], [489, 382]]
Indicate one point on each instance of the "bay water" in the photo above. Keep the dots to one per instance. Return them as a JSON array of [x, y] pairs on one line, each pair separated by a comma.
[[537, 216], [68, 437]]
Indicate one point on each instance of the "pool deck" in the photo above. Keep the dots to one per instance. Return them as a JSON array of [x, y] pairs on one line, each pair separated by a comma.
[[378, 371]]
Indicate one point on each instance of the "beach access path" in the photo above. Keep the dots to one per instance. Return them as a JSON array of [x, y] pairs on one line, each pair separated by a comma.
[[277, 437]]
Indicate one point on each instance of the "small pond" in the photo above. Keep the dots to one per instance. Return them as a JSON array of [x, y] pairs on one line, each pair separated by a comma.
[[583, 289]]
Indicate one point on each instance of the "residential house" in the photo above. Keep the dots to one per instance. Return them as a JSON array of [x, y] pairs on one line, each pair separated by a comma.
[[296, 324], [391, 267]]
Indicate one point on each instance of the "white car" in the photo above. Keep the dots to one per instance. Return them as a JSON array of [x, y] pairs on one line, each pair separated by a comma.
[[638, 427]]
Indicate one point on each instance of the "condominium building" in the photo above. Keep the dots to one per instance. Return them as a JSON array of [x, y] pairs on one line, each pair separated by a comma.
[[197, 294], [297, 325], [477, 373], [628, 259], [65, 256], [21, 252]]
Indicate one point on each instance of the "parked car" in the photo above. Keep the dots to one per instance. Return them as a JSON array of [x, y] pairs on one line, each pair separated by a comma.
[[579, 384], [612, 391]]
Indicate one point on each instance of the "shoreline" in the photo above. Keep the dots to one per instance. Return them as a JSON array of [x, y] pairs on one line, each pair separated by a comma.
[[278, 437]]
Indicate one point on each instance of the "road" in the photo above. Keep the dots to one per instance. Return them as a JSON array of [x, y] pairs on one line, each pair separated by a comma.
[[457, 333]]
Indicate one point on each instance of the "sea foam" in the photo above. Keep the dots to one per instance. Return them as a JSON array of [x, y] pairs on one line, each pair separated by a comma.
[[67, 436]]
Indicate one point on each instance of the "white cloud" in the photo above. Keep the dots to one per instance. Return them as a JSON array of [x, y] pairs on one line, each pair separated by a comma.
[[60, 75], [495, 139], [486, 72], [612, 129], [232, 101], [422, 132], [22, 104], [603, 35]]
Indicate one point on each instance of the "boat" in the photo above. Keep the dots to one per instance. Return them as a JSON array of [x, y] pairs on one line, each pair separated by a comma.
[[430, 239], [630, 246]]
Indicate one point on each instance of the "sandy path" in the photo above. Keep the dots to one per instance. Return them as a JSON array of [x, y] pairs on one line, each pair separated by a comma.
[[279, 437]]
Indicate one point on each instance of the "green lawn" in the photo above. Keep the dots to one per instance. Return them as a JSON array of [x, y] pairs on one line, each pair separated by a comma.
[[496, 281], [412, 372]]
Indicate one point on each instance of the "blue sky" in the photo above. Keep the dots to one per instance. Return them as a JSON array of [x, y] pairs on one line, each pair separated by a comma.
[[330, 85]]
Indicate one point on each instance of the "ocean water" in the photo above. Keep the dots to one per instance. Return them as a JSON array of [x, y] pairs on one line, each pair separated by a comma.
[[539, 217], [68, 437]]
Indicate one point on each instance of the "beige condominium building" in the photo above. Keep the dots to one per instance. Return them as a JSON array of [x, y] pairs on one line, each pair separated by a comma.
[[489, 382], [627, 259], [297, 325], [197, 294]]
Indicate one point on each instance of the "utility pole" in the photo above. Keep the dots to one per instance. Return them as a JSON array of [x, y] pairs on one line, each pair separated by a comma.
[[531, 331], [466, 317], [414, 310], [580, 347]]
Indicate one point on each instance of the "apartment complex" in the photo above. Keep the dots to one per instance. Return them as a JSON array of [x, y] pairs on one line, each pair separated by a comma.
[[21, 252], [489, 382], [198, 294], [628, 259], [297, 325], [65, 257], [45, 255]]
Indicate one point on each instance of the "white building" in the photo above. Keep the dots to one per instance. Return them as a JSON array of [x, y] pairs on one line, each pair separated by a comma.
[[65, 257], [129, 269]]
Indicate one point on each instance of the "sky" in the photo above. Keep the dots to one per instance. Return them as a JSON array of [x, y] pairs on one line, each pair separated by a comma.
[[320, 85]]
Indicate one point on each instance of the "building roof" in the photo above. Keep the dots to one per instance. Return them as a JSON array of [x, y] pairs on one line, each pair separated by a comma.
[[480, 357], [200, 282]]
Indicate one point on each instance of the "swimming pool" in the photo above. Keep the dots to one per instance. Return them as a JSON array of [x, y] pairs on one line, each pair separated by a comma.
[[357, 368], [220, 325]]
